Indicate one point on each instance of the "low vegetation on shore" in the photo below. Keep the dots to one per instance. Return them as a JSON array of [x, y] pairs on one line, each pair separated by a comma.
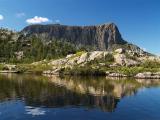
[[119, 63]]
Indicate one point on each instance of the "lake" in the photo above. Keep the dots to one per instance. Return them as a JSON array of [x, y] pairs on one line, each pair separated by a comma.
[[33, 97]]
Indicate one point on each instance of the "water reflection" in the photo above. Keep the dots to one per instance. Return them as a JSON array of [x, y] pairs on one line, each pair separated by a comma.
[[34, 111], [53, 91]]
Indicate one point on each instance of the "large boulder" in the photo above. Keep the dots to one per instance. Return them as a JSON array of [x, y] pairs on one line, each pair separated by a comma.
[[10, 67], [122, 60], [83, 58], [97, 55], [120, 51]]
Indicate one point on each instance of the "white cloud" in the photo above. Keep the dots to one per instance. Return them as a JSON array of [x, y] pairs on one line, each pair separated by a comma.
[[1, 17], [37, 20], [144, 49], [57, 21], [19, 15]]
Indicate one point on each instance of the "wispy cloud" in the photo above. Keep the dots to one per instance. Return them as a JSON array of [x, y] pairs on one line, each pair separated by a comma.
[[57, 21], [19, 15], [37, 20], [1, 17], [144, 49]]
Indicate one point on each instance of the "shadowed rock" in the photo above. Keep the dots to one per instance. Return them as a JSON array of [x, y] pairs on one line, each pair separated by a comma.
[[100, 37]]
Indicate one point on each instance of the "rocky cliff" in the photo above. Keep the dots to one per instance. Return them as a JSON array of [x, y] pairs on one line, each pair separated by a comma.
[[100, 37], [38, 42]]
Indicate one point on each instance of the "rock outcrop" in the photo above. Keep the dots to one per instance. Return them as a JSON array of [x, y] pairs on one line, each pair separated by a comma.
[[7, 68], [100, 37], [122, 60], [97, 59], [148, 75], [78, 60]]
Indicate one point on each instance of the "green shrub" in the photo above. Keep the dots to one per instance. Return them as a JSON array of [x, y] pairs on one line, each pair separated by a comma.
[[151, 64], [132, 71], [79, 53], [109, 58], [38, 69], [1, 66]]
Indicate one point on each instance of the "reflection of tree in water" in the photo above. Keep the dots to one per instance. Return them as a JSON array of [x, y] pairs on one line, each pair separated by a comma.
[[69, 91]]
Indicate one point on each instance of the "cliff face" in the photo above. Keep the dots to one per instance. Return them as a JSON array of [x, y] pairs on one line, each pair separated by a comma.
[[100, 37]]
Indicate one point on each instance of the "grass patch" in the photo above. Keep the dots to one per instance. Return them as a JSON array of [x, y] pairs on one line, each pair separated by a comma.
[[79, 53], [84, 71], [1, 66], [37, 69]]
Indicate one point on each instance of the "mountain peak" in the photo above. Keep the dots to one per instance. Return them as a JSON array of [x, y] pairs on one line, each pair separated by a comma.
[[99, 37]]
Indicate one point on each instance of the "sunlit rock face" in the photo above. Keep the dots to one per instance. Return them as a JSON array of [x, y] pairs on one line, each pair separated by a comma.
[[100, 37]]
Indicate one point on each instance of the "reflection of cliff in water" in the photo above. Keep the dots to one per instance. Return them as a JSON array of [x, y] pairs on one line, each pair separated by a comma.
[[69, 91]]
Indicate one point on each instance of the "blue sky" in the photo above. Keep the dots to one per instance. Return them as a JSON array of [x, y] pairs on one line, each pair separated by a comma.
[[138, 20]]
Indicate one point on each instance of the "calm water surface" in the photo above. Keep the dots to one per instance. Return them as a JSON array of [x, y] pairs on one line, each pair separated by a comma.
[[29, 97]]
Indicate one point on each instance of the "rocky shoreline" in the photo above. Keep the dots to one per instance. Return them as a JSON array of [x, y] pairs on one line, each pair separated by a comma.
[[119, 63], [6, 71], [145, 75]]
